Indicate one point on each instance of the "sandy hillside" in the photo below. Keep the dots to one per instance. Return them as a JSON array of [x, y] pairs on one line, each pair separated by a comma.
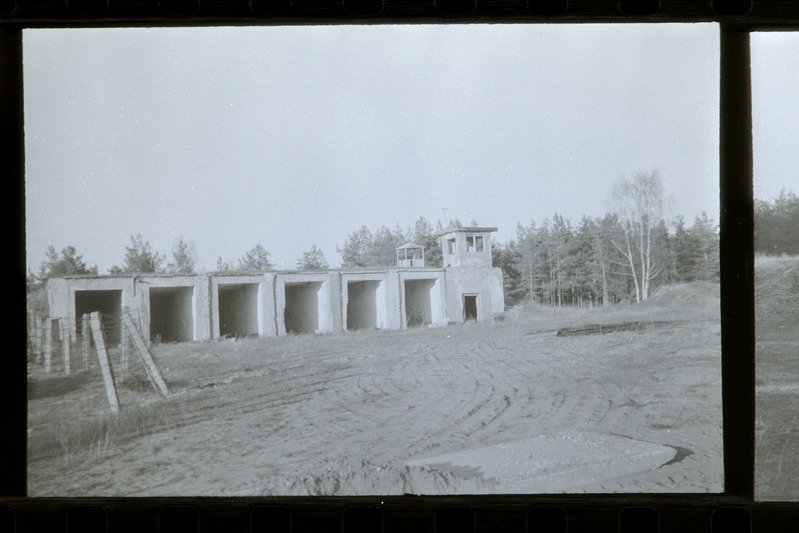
[[777, 378], [506, 407]]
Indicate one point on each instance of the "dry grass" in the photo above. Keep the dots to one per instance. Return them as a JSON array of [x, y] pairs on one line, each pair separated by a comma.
[[671, 303], [764, 262]]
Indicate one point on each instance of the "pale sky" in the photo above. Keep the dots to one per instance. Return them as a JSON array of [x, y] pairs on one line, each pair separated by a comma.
[[775, 112], [291, 136]]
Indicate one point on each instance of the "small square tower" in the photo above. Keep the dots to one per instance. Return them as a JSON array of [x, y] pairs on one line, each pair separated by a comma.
[[467, 246], [410, 255]]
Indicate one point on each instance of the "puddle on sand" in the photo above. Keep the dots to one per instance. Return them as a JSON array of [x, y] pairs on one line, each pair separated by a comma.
[[554, 463]]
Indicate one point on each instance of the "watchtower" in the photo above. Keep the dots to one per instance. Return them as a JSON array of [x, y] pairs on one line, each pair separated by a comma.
[[410, 255], [467, 246]]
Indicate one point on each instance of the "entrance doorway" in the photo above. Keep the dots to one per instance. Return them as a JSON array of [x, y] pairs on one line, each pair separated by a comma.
[[469, 307]]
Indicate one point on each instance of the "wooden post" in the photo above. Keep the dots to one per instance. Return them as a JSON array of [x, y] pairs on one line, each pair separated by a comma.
[[37, 338], [105, 365], [48, 342], [149, 362], [140, 329], [33, 337], [123, 346], [84, 328], [63, 332]]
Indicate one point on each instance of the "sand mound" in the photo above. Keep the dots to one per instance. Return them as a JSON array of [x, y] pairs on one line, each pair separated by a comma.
[[696, 294], [777, 288]]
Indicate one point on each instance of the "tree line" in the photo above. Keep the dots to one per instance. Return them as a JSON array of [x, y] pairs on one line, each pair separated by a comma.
[[377, 249], [141, 258], [604, 260], [599, 261], [777, 225], [622, 255]]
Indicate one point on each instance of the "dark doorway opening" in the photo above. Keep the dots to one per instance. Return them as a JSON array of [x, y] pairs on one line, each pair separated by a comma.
[[238, 310], [418, 308], [469, 307], [362, 304], [171, 316], [301, 314], [109, 304]]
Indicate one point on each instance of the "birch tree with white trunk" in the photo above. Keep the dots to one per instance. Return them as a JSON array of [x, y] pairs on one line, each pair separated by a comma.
[[637, 202]]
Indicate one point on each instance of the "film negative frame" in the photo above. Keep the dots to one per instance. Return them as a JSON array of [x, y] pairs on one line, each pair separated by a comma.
[[733, 510]]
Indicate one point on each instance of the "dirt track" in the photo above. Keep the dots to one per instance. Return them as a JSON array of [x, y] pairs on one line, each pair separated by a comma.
[[777, 385], [346, 414]]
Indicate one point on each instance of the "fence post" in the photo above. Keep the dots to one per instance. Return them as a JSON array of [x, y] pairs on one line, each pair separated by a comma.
[[149, 362], [33, 345], [123, 346], [31, 328], [48, 342], [84, 332], [39, 341], [37, 338], [105, 365], [141, 329], [63, 332]]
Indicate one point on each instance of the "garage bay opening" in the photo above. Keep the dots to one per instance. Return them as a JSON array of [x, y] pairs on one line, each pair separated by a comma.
[[418, 307], [109, 304], [301, 314], [362, 304], [238, 310], [171, 314]]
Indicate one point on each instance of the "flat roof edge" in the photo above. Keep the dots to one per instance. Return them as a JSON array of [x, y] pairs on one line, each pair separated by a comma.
[[102, 277], [470, 229]]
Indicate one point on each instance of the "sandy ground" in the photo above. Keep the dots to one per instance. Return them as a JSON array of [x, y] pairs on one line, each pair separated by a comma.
[[777, 379], [506, 407]]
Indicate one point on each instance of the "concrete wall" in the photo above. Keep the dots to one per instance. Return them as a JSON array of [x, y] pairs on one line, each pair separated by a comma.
[[485, 283], [190, 308], [61, 292], [122, 292]]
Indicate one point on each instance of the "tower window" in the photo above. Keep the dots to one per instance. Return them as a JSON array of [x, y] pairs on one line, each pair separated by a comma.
[[474, 243]]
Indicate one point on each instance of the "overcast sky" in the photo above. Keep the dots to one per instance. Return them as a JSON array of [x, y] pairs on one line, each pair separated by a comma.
[[291, 136], [775, 112]]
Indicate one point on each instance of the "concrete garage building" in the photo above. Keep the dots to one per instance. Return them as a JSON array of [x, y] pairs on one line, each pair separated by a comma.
[[167, 308], [210, 306]]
